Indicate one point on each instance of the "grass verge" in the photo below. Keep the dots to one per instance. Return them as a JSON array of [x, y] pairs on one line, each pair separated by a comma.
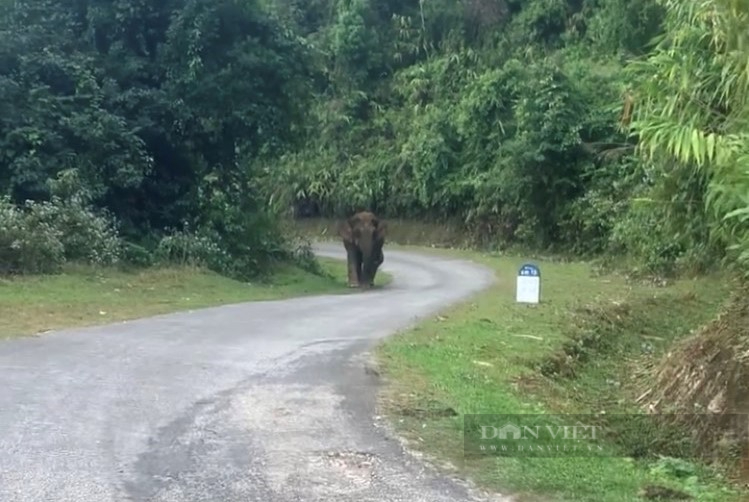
[[84, 296], [579, 351]]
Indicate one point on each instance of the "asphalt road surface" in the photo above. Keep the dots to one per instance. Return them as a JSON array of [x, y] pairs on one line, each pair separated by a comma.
[[264, 401]]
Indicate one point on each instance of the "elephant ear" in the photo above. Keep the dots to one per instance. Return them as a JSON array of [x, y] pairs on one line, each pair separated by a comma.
[[345, 230], [381, 229]]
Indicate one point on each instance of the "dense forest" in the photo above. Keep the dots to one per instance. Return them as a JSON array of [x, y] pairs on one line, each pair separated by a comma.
[[138, 130], [127, 128]]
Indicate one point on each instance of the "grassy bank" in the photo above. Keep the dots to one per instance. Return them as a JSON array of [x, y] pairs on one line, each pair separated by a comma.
[[86, 296], [579, 351]]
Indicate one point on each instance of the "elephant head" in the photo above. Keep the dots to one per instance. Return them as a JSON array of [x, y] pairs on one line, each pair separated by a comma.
[[363, 236]]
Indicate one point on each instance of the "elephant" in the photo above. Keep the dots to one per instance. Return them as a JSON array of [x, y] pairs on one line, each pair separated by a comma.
[[363, 237]]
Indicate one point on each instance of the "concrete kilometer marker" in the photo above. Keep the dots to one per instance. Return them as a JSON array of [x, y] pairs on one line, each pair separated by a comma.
[[528, 284]]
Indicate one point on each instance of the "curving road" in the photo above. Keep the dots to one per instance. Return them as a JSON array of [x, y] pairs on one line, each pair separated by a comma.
[[264, 401]]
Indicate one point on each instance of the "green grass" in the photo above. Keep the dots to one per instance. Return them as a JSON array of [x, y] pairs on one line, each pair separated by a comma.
[[84, 296], [493, 356]]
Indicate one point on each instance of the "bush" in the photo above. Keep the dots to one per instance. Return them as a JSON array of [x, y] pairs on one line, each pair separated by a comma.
[[196, 249], [304, 257], [39, 237], [136, 255], [28, 244], [86, 236], [238, 253], [301, 251]]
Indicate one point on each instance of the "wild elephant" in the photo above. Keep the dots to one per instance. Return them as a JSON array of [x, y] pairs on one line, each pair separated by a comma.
[[363, 237]]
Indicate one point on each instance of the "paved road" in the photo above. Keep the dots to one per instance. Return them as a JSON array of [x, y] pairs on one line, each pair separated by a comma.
[[263, 401]]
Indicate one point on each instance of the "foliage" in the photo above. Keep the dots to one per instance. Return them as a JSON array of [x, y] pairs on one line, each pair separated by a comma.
[[146, 103], [39, 237], [503, 148], [27, 248], [692, 95], [186, 248], [620, 26], [194, 122], [513, 124], [505, 132]]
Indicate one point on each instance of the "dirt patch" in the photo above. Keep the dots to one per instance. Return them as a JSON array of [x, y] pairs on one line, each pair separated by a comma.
[[414, 405], [426, 409], [357, 467]]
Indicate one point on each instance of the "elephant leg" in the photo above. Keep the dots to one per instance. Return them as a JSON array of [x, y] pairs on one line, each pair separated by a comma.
[[354, 266], [358, 268], [379, 259]]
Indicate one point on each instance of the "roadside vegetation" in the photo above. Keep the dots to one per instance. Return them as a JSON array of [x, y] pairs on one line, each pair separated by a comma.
[[587, 348]]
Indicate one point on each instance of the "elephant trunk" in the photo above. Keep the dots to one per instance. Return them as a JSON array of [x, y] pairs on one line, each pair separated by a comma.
[[370, 255]]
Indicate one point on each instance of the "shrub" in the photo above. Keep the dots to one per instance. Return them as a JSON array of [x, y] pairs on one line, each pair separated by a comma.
[[237, 253], [302, 254], [39, 237], [28, 244], [86, 236], [135, 254], [197, 249]]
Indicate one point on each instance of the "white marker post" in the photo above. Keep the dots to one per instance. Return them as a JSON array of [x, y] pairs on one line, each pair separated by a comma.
[[528, 284]]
